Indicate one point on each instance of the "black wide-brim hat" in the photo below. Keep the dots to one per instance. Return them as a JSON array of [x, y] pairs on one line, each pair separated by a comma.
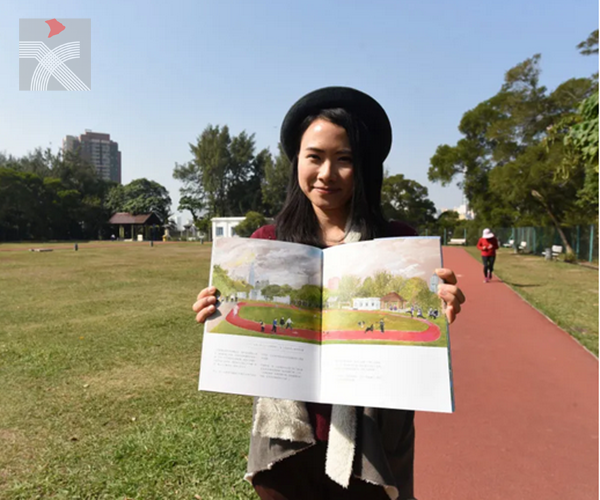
[[354, 101]]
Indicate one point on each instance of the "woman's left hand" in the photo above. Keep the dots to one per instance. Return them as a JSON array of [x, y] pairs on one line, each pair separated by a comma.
[[450, 293]]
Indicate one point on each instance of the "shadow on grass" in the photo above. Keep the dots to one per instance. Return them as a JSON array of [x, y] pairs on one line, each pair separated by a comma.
[[522, 285]]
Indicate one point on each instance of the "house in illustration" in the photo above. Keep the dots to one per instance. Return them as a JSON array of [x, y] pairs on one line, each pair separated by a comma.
[[367, 303], [392, 301]]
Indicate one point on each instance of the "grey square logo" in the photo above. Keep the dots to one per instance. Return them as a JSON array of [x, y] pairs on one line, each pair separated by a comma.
[[55, 54]]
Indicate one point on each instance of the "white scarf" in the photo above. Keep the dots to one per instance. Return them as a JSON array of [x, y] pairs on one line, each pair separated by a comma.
[[289, 420]]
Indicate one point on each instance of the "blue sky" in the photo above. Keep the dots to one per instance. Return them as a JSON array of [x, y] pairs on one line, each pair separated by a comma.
[[162, 73]]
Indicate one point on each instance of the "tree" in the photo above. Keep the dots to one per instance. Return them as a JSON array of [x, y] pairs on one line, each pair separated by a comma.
[[308, 295], [21, 205], [245, 175], [68, 198], [581, 142], [141, 196], [590, 45], [224, 176], [204, 226], [406, 200], [448, 219], [348, 288], [271, 291], [276, 179], [367, 288], [251, 223], [193, 205], [500, 157], [192, 195]]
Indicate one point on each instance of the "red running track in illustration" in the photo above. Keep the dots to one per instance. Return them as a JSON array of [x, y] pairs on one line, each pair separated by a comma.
[[432, 333]]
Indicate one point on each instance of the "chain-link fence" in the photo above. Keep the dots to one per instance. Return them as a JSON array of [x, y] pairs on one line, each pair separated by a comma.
[[534, 240]]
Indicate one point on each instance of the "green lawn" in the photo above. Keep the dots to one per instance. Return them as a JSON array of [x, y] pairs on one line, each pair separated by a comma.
[[303, 319], [566, 293], [99, 358]]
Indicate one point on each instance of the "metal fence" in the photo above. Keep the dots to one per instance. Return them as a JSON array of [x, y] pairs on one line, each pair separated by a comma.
[[533, 240]]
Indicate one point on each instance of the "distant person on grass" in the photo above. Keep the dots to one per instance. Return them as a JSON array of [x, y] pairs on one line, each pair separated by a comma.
[[336, 139], [488, 244]]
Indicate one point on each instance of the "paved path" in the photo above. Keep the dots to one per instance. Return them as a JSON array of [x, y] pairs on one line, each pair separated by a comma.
[[526, 420]]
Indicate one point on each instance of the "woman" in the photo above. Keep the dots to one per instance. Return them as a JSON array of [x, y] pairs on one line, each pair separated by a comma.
[[488, 244], [336, 139]]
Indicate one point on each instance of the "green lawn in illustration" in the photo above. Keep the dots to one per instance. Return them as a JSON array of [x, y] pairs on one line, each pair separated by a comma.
[[306, 319], [337, 319], [334, 320]]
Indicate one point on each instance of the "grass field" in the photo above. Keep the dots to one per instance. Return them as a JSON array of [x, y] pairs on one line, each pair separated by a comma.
[[566, 293], [99, 358]]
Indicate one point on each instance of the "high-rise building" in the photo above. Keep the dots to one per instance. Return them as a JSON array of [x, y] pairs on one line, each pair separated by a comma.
[[99, 150]]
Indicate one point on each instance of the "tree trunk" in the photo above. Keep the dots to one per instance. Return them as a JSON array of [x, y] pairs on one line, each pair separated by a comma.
[[560, 231], [563, 238]]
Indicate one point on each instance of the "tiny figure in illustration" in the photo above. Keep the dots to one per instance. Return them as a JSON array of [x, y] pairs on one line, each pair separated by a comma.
[[381, 325], [420, 313], [369, 329], [274, 328], [412, 311], [288, 323], [262, 325]]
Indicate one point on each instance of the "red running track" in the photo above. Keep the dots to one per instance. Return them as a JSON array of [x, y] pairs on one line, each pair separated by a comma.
[[432, 333], [526, 420]]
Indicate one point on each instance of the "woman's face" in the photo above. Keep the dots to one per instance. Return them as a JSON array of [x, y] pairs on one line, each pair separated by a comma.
[[325, 167]]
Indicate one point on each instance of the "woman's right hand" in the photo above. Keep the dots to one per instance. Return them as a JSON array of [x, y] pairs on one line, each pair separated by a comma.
[[205, 304]]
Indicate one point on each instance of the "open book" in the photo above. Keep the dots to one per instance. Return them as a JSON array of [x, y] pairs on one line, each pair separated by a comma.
[[358, 324]]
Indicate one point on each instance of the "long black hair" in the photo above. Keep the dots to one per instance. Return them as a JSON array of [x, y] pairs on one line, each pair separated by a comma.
[[297, 221]]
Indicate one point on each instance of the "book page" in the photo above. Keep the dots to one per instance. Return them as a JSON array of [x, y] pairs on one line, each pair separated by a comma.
[[385, 335], [264, 339]]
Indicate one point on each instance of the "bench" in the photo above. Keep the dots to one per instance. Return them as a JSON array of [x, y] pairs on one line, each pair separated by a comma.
[[556, 251], [457, 241]]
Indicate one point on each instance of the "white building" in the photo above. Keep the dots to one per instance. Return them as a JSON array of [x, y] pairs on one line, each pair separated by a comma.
[[257, 295], [367, 303], [282, 300], [463, 211], [224, 226]]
